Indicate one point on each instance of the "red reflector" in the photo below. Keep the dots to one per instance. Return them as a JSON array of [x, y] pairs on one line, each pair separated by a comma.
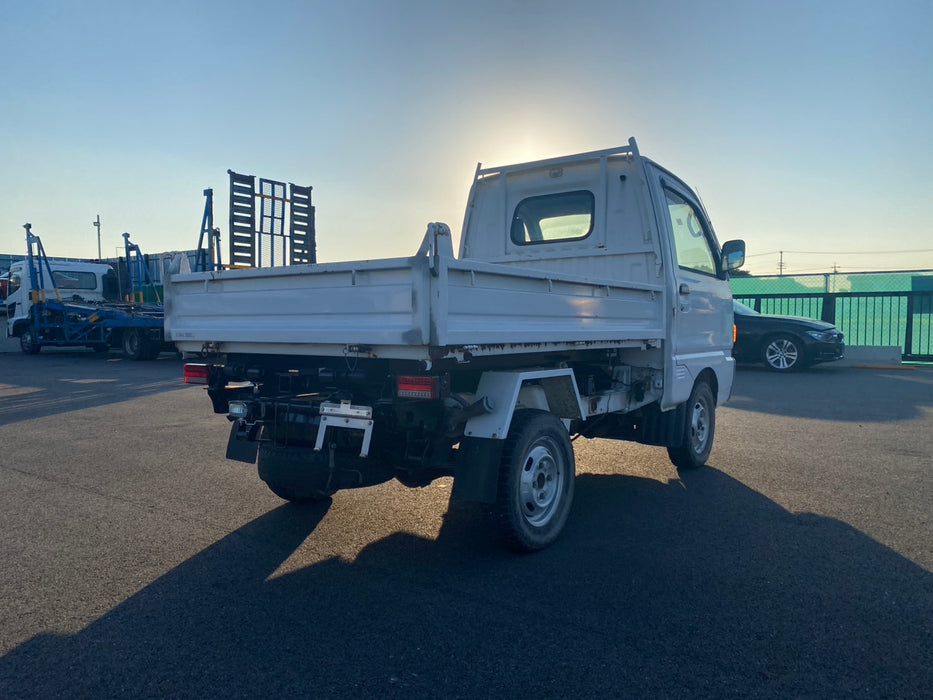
[[417, 387], [197, 373]]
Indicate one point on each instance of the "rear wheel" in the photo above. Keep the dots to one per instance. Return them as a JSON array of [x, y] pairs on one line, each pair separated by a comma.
[[783, 353], [698, 430], [536, 481], [295, 473], [151, 349], [132, 344], [138, 346], [27, 342]]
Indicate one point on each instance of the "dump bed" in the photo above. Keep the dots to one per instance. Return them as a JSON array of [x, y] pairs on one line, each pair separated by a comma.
[[425, 307]]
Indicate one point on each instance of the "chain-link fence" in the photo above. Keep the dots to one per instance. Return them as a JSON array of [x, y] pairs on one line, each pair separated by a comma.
[[834, 283]]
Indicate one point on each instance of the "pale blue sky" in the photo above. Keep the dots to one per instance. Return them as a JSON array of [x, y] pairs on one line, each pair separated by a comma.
[[805, 126]]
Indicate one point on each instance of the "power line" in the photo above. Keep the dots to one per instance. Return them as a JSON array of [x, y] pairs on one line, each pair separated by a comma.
[[858, 252], [837, 268], [841, 271], [843, 252]]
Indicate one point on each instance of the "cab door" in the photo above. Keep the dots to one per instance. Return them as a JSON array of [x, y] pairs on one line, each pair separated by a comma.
[[17, 298], [701, 317]]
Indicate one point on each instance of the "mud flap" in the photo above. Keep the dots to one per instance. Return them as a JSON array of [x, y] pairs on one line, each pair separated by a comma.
[[664, 428], [477, 474], [239, 445]]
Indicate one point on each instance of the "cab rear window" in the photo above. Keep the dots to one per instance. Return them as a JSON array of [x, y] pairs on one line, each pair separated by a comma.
[[551, 218]]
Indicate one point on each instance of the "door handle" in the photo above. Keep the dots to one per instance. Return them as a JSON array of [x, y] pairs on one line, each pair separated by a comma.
[[684, 288]]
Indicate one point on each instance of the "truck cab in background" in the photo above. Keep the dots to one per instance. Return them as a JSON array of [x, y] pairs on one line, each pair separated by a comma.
[[77, 304], [75, 281]]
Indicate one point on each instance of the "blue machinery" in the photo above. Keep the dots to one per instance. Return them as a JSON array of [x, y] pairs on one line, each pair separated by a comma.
[[35, 254], [208, 259], [137, 272], [76, 322]]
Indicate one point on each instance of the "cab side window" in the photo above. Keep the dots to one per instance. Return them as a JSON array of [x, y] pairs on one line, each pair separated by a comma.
[[74, 280], [691, 242], [14, 284]]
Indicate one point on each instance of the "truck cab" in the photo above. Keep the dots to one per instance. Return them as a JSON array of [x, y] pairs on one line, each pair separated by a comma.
[[615, 216]]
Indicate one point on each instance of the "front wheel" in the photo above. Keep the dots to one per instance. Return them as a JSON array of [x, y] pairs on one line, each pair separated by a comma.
[[783, 354], [536, 481], [27, 342], [699, 428]]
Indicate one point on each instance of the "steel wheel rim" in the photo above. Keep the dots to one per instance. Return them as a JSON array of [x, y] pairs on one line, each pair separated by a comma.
[[27, 341], [781, 354], [542, 483], [699, 427]]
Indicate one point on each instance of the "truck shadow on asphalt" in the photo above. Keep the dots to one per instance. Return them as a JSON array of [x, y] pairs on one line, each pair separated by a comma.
[[699, 587], [835, 393], [37, 387]]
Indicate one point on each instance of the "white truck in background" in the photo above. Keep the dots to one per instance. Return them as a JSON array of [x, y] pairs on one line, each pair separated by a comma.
[[590, 298], [77, 304]]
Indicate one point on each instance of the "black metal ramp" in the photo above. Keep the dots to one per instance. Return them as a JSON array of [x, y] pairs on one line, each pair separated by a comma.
[[242, 220], [301, 227]]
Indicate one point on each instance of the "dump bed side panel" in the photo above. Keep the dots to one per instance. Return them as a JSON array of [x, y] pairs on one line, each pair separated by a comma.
[[380, 302], [402, 308], [497, 304]]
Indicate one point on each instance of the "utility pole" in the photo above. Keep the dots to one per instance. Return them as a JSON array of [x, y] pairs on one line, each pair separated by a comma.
[[96, 224], [781, 264]]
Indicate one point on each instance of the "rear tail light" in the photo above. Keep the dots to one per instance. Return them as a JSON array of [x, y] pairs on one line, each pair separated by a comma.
[[197, 373], [417, 387]]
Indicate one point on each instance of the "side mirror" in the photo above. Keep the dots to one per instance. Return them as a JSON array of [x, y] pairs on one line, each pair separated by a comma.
[[733, 255]]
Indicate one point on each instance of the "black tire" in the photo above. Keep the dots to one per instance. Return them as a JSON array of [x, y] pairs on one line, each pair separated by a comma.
[[27, 342], [294, 473], [151, 349], [699, 429], [783, 353], [134, 344], [536, 481]]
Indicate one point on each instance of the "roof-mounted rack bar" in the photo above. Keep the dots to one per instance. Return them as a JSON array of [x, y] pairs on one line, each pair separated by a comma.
[[630, 150]]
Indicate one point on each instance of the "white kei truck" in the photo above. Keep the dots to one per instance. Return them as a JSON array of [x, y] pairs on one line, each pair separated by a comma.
[[590, 298]]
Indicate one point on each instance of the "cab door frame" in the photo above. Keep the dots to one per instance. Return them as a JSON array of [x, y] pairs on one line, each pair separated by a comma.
[[699, 319]]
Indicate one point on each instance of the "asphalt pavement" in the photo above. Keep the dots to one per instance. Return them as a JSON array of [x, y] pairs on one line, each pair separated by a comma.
[[137, 562]]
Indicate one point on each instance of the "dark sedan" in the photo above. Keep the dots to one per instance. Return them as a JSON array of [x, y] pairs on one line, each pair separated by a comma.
[[784, 343]]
